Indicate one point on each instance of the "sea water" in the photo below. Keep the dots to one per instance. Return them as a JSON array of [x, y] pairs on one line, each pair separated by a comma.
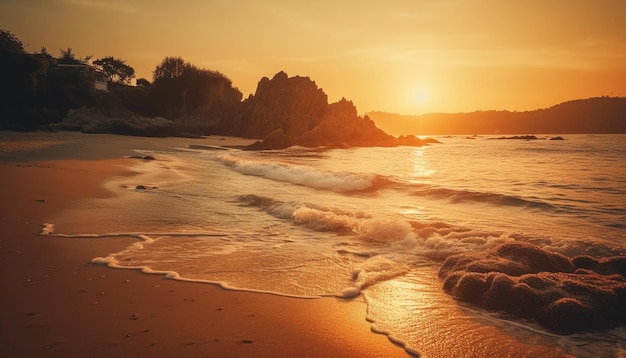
[[377, 224]]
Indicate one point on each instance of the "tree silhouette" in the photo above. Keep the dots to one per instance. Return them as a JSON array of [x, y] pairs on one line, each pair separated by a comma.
[[115, 69], [69, 58], [170, 67], [9, 42]]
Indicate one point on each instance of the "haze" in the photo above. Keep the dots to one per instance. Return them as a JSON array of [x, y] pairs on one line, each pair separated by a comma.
[[398, 56]]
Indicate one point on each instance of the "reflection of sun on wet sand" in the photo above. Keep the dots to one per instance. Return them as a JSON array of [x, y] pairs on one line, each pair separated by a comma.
[[54, 303]]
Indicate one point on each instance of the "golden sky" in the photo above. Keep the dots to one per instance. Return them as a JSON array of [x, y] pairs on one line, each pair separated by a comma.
[[402, 56]]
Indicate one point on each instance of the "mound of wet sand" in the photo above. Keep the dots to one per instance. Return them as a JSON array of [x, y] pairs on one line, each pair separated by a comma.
[[564, 295]]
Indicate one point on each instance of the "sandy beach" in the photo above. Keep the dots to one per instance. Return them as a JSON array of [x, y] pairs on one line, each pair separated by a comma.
[[56, 304]]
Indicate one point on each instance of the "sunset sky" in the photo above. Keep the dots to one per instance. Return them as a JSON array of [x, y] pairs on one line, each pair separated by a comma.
[[402, 56]]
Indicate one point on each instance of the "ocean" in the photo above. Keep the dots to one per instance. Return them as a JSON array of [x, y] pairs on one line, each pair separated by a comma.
[[375, 224]]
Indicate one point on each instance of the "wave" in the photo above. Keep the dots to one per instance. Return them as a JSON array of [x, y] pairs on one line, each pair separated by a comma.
[[363, 183], [396, 234], [315, 217], [458, 196], [304, 175], [330, 219], [417, 241]]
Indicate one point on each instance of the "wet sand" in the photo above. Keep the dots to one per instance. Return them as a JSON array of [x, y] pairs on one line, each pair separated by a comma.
[[54, 303]]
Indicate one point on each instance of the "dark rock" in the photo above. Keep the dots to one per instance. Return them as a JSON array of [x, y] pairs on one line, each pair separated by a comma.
[[563, 295], [144, 157], [413, 141], [145, 187], [293, 104], [275, 140], [521, 137], [606, 266], [341, 127], [557, 138], [287, 111]]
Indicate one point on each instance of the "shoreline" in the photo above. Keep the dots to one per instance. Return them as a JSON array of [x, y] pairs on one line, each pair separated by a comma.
[[57, 304]]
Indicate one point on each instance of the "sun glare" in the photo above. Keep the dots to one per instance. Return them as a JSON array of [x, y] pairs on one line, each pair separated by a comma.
[[420, 96]]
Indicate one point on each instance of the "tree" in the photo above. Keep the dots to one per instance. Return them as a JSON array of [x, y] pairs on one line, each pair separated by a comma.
[[115, 69], [170, 67], [68, 57], [142, 82], [9, 42]]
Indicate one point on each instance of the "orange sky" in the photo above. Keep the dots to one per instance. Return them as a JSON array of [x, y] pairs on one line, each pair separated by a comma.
[[403, 56]]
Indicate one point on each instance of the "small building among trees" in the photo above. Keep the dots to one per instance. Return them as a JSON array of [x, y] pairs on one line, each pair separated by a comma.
[[101, 80]]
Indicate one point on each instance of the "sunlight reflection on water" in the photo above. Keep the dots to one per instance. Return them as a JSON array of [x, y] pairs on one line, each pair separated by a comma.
[[420, 164]]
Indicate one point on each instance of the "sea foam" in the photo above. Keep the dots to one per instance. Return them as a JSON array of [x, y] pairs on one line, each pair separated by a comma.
[[374, 270], [300, 174]]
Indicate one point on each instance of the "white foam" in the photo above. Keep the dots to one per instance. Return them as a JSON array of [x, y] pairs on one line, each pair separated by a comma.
[[385, 230], [322, 220], [300, 175], [102, 260], [112, 262], [374, 270]]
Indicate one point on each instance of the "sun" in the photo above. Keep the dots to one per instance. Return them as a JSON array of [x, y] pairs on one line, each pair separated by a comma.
[[420, 95]]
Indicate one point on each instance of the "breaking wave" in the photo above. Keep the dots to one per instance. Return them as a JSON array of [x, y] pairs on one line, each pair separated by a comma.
[[433, 240], [458, 196], [345, 182], [304, 175]]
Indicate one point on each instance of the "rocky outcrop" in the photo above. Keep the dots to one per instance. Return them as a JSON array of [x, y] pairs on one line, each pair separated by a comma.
[[288, 111], [564, 295], [340, 127], [292, 104], [520, 137], [413, 141]]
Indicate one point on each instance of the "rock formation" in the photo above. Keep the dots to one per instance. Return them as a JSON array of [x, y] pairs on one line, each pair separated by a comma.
[[564, 295], [288, 111], [292, 104]]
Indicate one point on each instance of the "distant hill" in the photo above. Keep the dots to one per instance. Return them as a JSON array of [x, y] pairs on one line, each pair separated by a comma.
[[594, 115]]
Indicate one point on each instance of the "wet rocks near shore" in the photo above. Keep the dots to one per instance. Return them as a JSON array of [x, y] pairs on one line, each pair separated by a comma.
[[529, 137], [564, 295]]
